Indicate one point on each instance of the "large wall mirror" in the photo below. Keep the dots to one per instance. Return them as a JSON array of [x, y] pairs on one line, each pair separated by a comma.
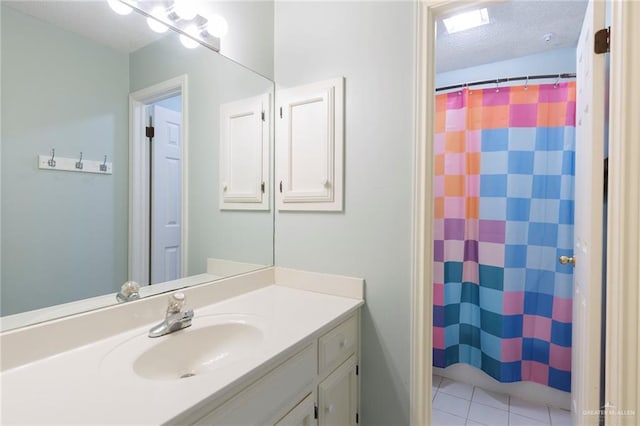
[[90, 198]]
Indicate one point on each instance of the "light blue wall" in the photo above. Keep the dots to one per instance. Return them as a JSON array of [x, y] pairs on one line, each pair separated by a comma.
[[250, 37], [244, 236], [371, 44], [552, 62], [64, 234]]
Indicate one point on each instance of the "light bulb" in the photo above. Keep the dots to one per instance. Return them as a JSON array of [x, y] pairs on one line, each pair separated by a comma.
[[120, 8], [217, 26], [185, 9], [160, 14], [188, 42]]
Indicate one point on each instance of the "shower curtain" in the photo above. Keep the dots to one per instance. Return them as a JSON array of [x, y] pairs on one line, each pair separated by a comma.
[[504, 170]]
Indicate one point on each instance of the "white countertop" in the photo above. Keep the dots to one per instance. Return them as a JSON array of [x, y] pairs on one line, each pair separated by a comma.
[[72, 387]]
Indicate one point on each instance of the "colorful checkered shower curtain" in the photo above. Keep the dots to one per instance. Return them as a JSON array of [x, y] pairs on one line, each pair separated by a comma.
[[504, 171]]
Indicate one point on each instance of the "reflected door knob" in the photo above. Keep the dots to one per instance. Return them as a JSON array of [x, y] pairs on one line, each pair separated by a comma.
[[565, 260]]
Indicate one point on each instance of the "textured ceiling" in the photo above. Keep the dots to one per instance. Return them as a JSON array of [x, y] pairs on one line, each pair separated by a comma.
[[92, 19], [517, 29]]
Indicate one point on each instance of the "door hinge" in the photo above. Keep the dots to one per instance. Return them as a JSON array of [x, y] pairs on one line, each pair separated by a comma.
[[262, 187], [149, 131], [357, 369], [357, 418], [602, 40], [280, 112], [315, 411], [280, 186], [606, 179], [262, 115]]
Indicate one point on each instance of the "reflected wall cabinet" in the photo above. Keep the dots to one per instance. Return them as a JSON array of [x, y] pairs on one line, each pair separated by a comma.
[[310, 145], [244, 154]]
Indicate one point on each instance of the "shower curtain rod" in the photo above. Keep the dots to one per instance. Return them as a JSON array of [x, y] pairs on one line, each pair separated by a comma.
[[505, 80]]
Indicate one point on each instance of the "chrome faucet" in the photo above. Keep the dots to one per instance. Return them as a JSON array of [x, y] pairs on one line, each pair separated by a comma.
[[128, 292], [175, 319]]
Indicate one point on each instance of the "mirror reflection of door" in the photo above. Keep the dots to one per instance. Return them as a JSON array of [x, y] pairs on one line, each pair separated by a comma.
[[165, 186]]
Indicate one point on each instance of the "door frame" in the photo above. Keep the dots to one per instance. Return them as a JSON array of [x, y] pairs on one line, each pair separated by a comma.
[[139, 159], [622, 373], [623, 252]]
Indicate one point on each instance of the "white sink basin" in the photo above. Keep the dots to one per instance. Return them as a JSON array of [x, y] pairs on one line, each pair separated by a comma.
[[210, 343]]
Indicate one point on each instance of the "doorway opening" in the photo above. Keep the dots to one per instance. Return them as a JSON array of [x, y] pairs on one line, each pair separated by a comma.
[[158, 191], [433, 240]]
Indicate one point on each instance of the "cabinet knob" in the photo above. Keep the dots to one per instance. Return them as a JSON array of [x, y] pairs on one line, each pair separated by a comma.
[[330, 408], [343, 343], [325, 183], [224, 186]]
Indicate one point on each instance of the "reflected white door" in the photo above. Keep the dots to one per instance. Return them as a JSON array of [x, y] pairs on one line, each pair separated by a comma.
[[589, 199], [166, 195]]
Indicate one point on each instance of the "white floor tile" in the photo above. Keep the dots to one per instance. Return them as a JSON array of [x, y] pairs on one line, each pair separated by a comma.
[[451, 404], [493, 399], [440, 418], [518, 420], [529, 409], [461, 390], [560, 417], [472, 423], [435, 380], [435, 383], [488, 415]]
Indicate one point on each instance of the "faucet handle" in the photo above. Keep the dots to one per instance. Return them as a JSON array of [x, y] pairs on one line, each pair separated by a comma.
[[176, 303], [129, 291]]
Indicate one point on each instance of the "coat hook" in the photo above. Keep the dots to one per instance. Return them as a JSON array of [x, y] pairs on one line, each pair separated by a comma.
[[555, 86], [52, 161], [103, 166], [79, 164]]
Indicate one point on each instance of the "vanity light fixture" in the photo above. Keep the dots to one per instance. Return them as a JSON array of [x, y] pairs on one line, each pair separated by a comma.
[[182, 15], [185, 9], [119, 7], [160, 14], [217, 26], [466, 20], [188, 42]]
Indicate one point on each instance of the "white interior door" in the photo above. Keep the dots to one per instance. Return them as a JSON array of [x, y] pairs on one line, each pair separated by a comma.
[[166, 195], [587, 279]]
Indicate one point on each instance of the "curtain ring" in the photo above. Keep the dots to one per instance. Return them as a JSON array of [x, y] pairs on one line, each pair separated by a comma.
[[497, 85], [526, 84], [555, 86]]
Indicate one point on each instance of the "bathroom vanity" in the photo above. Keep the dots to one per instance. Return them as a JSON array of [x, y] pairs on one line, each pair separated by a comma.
[[275, 346]]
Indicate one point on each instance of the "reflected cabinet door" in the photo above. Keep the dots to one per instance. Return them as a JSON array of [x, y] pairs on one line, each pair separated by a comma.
[[244, 154]]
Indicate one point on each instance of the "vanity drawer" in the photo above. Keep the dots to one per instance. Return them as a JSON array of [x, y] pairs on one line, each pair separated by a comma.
[[337, 345]]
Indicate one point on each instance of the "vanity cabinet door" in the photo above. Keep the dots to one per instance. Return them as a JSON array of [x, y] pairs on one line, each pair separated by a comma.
[[302, 415], [338, 396]]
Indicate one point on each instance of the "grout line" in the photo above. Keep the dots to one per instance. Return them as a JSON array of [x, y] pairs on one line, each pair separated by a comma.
[[470, 402]]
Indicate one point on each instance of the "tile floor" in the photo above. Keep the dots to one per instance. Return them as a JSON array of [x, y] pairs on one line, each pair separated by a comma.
[[456, 403]]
